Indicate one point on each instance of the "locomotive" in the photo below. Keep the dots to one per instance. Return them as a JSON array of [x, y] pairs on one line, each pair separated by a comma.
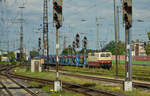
[[100, 59]]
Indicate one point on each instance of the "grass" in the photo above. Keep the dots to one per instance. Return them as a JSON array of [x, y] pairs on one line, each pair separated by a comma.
[[134, 62], [139, 72], [1, 62], [81, 81], [45, 88], [49, 89]]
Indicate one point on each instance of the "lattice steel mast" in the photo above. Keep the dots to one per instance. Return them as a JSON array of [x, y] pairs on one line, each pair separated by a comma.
[[45, 30]]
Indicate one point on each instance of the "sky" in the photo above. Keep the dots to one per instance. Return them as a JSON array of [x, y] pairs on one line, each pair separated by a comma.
[[74, 12]]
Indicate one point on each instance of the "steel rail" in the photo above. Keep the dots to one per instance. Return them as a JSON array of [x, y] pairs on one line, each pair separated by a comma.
[[7, 90], [68, 86], [113, 80], [4, 72]]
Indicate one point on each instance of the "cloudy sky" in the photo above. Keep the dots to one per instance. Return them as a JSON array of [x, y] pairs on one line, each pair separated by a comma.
[[74, 12]]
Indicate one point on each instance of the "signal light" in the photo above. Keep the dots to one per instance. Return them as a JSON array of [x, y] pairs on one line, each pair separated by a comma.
[[77, 40], [73, 44], [125, 5], [85, 42], [127, 13], [55, 7], [59, 7], [57, 13]]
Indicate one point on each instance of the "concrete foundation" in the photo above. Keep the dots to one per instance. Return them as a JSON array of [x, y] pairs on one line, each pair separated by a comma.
[[57, 85], [127, 85]]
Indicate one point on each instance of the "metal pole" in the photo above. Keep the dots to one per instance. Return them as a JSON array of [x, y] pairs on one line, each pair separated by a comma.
[[128, 65], [115, 29], [118, 27], [126, 55], [118, 32], [84, 56], [8, 46], [64, 42], [130, 55], [97, 33], [21, 35], [45, 33], [57, 58]]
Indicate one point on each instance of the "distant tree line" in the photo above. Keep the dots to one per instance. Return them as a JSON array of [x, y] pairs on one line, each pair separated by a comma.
[[110, 47]]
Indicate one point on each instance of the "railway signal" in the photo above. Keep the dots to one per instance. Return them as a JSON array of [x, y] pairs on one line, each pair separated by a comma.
[[73, 44], [127, 19], [77, 40], [85, 42], [57, 13], [127, 13], [39, 45], [57, 18], [84, 46]]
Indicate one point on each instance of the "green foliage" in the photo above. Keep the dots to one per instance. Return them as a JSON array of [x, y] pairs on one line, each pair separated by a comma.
[[86, 52], [70, 51], [35, 84], [111, 47], [139, 73], [148, 33], [34, 53], [147, 48], [11, 56], [67, 51]]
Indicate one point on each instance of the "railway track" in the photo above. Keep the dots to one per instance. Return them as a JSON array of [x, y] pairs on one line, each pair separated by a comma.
[[22, 86], [113, 80], [9, 90], [79, 88], [6, 88], [69, 86]]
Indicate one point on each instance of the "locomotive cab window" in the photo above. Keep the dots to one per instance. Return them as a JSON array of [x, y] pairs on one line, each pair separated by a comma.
[[107, 55], [102, 55], [92, 54]]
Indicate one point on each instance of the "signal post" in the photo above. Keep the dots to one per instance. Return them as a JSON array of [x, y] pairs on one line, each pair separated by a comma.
[[127, 19], [77, 42], [84, 46], [57, 18]]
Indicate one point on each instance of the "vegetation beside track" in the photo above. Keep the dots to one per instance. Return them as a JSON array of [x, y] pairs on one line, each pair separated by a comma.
[[139, 72], [147, 63], [1, 62], [45, 88], [49, 89], [84, 82]]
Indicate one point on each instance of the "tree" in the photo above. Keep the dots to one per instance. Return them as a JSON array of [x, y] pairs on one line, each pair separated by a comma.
[[11, 56], [67, 51], [147, 48], [148, 33], [110, 47], [34, 53], [87, 51], [72, 51]]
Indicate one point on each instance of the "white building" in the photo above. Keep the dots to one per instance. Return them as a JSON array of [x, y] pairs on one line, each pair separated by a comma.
[[25, 52], [138, 49]]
